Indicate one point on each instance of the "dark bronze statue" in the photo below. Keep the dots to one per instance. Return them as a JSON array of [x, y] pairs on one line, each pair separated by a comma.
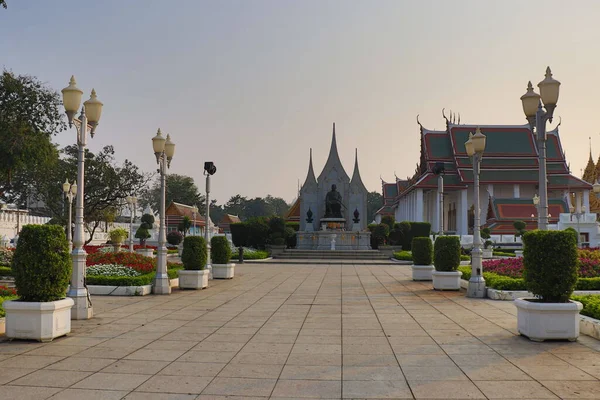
[[333, 203]]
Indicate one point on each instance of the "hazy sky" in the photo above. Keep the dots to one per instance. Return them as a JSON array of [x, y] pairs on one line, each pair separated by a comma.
[[252, 85]]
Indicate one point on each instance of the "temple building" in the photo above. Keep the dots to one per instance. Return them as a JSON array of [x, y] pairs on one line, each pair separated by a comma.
[[508, 181]]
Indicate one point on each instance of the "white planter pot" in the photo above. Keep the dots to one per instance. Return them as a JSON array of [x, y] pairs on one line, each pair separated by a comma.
[[38, 321], [519, 253], [223, 271], [488, 253], [541, 321], [422, 272], [117, 247], [446, 280], [145, 252], [193, 279]]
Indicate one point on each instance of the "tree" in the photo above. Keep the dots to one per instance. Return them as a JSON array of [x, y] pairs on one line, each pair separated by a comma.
[[3, 3], [106, 185], [143, 232], [374, 203], [389, 220], [216, 211], [277, 205], [30, 113], [236, 206], [185, 225], [519, 229], [180, 189]]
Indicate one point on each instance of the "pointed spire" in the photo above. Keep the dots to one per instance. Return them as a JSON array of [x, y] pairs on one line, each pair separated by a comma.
[[310, 177], [356, 179], [333, 161], [591, 149]]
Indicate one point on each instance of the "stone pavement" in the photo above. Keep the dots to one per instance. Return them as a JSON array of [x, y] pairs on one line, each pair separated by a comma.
[[283, 332]]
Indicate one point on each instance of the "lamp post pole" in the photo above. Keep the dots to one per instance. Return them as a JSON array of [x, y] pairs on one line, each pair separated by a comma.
[[538, 117], [207, 227], [70, 190], [194, 212], [88, 119], [475, 147], [164, 150], [132, 202]]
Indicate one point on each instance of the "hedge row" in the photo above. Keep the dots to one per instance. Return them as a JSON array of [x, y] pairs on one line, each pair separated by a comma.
[[591, 305], [141, 280], [6, 271]]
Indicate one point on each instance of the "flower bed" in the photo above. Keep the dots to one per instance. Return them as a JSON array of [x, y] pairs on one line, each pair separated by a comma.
[[136, 261], [252, 254], [405, 255], [111, 270]]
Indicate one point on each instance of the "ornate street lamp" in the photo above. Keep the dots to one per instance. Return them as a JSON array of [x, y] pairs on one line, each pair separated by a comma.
[[70, 190], [164, 149], [475, 147], [537, 117], [132, 203], [209, 170], [536, 203], [88, 121]]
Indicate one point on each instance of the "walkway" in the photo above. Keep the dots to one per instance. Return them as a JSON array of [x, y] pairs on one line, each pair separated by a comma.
[[282, 332]]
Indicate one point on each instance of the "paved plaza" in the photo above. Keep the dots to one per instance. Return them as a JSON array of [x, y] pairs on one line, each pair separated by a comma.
[[301, 331]]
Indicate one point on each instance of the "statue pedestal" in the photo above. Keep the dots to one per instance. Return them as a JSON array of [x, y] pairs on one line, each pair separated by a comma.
[[333, 223], [344, 240]]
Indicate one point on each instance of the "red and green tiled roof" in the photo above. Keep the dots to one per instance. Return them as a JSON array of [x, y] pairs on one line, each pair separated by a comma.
[[504, 212]]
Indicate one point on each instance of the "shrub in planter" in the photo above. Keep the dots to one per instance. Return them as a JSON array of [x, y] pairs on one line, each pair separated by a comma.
[[519, 229], [446, 253], [194, 253], [174, 238], [486, 234], [41, 265], [118, 235], [422, 251], [550, 265], [220, 250], [380, 234], [420, 229]]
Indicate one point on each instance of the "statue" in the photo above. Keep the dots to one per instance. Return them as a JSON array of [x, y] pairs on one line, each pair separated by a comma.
[[333, 203], [356, 216]]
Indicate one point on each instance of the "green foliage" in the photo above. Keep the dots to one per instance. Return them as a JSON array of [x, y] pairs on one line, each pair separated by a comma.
[[446, 251], [251, 254], [389, 221], [591, 305], [239, 234], [277, 225], [41, 265], [573, 232], [258, 232], [220, 250], [403, 255], [185, 225], [194, 253], [550, 264], [405, 233], [290, 237], [294, 225], [396, 234], [464, 257], [148, 220], [142, 233], [2, 300], [374, 203], [6, 271], [503, 253], [588, 284], [141, 280], [179, 188], [422, 251], [519, 228], [118, 235], [174, 238], [485, 233], [380, 234], [420, 229]]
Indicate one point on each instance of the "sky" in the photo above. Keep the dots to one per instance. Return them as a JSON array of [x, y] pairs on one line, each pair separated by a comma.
[[252, 85]]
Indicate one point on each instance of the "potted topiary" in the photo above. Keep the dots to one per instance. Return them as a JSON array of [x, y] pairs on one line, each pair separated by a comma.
[[143, 233], [117, 237], [42, 270], [174, 238], [446, 259], [488, 252], [194, 276], [422, 254], [220, 252], [519, 232], [550, 273]]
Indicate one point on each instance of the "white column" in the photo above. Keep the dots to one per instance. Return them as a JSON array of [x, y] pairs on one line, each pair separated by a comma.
[[578, 202], [586, 200], [463, 217], [516, 191], [419, 208]]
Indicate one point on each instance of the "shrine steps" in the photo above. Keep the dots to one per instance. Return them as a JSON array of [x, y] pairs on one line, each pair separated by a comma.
[[332, 255]]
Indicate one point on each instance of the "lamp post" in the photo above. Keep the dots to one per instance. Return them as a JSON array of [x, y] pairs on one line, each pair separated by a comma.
[[536, 203], [164, 149], [132, 203], [70, 190], [538, 117], [194, 213], [475, 147], [88, 120], [209, 170]]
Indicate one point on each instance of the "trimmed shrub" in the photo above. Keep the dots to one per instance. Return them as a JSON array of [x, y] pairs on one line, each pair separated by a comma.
[[294, 225], [422, 251], [194, 253], [380, 234], [6, 271], [258, 232], [573, 232], [486, 234], [446, 255], [550, 264], [290, 237], [373, 241], [403, 255], [389, 220], [420, 229], [219, 250], [174, 238], [41, 265], [277, 225], [239, 234], [591, 305]]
